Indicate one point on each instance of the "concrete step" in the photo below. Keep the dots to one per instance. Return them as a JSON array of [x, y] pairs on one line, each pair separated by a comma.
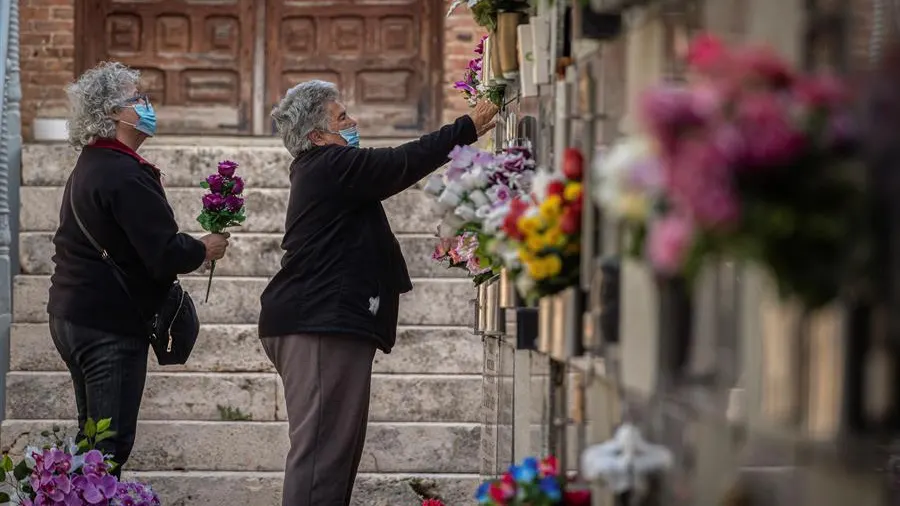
[[200, 396], [409, 212], [236, 300], [248, 255], [262, 446], [236, 348], [203, 488], [263, 165]]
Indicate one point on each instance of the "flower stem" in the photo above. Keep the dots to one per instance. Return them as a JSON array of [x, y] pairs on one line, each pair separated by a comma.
[[212, 269]]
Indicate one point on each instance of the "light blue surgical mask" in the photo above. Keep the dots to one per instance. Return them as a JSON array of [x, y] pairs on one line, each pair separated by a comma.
[[351, 135], [146, 119]]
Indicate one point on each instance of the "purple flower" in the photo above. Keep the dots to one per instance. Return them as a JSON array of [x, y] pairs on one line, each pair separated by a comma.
[[213, 202], [94, 465], [234, 203], [134, 494], [96, 489], [227, 168], [238, 186], [215, 183]]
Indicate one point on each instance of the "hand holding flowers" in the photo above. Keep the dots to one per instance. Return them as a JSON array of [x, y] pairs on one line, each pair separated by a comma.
[[223, 206]]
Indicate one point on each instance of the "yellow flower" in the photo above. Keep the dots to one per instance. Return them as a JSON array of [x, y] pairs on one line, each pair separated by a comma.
[[572, 191], [535, 243], [529, 225], [552, 264], [525, 256], [554, 237], [536, 269], [551, 207]]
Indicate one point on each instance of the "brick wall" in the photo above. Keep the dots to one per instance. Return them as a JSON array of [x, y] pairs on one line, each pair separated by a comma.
[[48, 57], [460, 36], [47, 48]]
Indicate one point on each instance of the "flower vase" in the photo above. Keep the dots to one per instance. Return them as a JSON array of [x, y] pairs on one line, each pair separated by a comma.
[[494, 56], [676, 312], [507, 42]]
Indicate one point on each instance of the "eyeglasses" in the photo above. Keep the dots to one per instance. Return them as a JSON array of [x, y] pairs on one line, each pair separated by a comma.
[[140, 98]]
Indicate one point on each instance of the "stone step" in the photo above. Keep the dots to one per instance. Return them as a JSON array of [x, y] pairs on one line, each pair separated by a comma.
[[262, 166], [262, 446], [201, 396], [248, 255], [236, 300], [409, 212], [236, 348], [203, 488]]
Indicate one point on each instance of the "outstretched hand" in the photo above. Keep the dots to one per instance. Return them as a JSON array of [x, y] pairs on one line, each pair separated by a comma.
[[483, 116]]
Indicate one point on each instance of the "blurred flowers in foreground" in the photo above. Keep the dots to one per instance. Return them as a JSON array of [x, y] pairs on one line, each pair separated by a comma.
[[752, 160]]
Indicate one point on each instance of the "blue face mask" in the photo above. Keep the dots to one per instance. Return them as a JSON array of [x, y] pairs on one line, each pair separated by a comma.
[[146, 123], [351, 135]]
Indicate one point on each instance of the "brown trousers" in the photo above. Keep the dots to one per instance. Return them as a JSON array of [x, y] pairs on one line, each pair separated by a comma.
[[326, 380]]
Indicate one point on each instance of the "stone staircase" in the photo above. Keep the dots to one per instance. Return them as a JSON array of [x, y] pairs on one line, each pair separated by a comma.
[[213, 432]]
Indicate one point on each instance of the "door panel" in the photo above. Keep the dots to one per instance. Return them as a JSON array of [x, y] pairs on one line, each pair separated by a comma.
[[379, 55], [195, 56]]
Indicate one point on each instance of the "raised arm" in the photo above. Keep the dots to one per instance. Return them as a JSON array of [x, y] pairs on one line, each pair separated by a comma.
[[378, 173], [140, 207]]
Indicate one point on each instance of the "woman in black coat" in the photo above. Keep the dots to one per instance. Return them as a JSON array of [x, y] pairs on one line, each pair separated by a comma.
[[100, 330]]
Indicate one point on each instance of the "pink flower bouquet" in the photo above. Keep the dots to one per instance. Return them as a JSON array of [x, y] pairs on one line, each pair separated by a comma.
[[751, 160], [223, 205]]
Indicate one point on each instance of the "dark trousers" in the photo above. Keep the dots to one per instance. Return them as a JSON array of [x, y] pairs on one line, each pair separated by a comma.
[[326, 380], [108, 373]]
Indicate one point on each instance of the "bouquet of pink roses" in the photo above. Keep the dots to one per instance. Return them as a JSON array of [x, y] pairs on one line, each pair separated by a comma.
[[223, 205]]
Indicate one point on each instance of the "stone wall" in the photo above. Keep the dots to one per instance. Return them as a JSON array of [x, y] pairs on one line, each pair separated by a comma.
[[48, 57]]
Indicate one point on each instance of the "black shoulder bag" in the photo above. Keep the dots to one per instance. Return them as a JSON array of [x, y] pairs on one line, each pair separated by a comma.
[[174, 328]]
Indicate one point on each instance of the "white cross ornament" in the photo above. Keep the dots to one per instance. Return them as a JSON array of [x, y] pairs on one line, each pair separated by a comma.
[[625, 461]]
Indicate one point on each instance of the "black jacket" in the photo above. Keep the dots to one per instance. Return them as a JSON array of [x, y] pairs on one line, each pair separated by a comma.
[[121, 201], [342, 271]]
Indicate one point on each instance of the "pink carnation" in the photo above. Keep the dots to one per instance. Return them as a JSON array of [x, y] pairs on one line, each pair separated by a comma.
[[765, 123], [669, 242]]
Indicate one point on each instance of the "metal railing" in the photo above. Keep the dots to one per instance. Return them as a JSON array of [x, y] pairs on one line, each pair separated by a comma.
[[10, 163]]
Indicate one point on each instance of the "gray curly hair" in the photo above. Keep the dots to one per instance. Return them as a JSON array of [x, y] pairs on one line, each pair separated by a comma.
[[94, 97], [303, 109]]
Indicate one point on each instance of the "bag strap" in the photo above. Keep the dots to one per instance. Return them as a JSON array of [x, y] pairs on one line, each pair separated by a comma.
[[116, 270]]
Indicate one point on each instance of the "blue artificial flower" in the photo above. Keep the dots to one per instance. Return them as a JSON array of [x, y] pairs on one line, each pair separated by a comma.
[[549, 486], [523, 473], [531, 462], [481, 495]]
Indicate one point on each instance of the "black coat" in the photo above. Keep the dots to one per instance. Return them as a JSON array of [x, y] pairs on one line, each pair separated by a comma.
[[342, 271], [119, 198]]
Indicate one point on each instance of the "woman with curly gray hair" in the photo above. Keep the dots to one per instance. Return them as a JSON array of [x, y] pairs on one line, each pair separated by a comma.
[[336, 298], [98, 327]]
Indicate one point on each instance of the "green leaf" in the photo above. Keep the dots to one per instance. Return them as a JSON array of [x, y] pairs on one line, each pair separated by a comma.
[[103, 425], [104, 436], [4, 497], [204, 185], [90, 428], [7, 464], [84, 445], [21, 471]]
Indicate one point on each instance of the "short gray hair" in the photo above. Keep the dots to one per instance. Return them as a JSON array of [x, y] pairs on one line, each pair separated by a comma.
[[303, 109], [94, 98]]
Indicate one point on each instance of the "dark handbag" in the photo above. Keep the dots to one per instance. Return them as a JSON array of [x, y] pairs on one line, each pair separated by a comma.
[[173, 330]]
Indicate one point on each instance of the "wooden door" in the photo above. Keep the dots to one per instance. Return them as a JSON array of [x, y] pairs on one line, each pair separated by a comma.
[[381, 55], [195, 56]]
